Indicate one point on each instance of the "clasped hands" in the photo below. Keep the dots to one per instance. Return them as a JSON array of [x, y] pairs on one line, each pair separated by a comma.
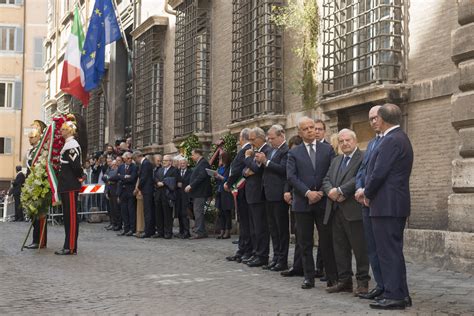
[[336, 196], [314, 196], [360, 197]]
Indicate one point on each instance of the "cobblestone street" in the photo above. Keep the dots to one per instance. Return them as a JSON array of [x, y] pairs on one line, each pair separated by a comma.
[[126, 275]]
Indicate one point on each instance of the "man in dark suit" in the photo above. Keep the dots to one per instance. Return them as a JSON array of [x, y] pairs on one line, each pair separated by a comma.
[[183, 203], [374, 122], [166, 180], [127, 173], [256, 197], [274, 180], [387, 193], [199, 189], [344, 213], [320, 131], [307, 166], [145, 186], [15, 190], [111, 180], [244, 251]]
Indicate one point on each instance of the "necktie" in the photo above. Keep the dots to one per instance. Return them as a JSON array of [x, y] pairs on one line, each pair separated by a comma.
[[182, 173], [312, 155], [126, 168], [345, 162]]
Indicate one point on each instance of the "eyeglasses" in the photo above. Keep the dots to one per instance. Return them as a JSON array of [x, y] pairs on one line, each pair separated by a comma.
[[319, 129]]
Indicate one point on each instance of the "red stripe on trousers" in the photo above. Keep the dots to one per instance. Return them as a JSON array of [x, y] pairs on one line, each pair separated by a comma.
[[74, 220]]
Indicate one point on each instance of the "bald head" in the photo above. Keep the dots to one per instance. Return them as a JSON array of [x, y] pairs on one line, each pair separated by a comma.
[[391, 114], [374, 118]]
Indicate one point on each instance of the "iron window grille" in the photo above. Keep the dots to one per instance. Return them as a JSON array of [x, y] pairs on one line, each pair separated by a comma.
[[363, 43], [95, 115], [192, 68], [256, 60], [148, 85]]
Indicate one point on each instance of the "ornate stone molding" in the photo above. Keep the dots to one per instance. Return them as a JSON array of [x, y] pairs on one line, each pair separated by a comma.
[[153, 20]]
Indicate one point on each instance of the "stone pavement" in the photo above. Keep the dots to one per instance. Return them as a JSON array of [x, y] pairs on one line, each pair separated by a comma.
[[126, 275]]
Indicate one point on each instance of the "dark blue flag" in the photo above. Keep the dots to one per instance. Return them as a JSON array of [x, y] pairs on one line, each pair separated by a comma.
[[103, 29]]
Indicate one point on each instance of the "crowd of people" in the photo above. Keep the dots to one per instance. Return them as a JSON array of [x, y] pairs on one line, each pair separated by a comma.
[[358, 201]]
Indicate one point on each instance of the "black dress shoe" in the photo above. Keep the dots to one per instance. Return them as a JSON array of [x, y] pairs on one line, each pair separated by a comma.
[[258, 262], [307, 284], [269, 266], [323, 279], [168, 236], [130, 233], [246, 259], [109, 227], [279, 267], [116, 228], [65, 252], [232, 258], [291, 273], [372, 294], [388, 304], [157, 236], [235, 242], [123, 233], [32, 246], [185, 236], [408, 301]]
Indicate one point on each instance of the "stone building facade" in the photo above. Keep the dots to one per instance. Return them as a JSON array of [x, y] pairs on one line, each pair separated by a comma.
[[22, 32], [210, 67]]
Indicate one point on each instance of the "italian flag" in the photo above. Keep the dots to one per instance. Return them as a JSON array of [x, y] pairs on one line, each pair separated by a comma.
[[72, 79]]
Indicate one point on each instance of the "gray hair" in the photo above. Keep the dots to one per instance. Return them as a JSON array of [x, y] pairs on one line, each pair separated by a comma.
[[347, 131], [137, 154], [303, 119], [245, 133], [390, 113], [259, 133], [157, 155], [278, 129], [127, 154]]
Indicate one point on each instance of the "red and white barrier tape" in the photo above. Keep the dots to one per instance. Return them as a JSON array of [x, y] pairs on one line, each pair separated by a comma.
[[92, 189]]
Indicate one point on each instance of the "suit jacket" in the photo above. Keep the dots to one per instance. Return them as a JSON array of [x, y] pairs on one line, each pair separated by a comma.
[[360, 178], [111, 181], [254, 184], [387, 183], [145, 176], [200, 181], [184, 199], [302, 176], [345, 180], [237, 166], [127, 184], [274, 174], [17, 184], [169, 179]]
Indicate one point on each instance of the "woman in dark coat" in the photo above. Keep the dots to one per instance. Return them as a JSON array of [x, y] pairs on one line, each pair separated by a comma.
[[224, 199]]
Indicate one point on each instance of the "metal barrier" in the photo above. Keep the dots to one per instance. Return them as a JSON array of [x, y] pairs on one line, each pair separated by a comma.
[[91, 200], [7, 208]]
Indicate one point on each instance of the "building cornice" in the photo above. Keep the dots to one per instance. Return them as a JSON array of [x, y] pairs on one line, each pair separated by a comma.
[[370, 94], [175, 3], [154, 20]]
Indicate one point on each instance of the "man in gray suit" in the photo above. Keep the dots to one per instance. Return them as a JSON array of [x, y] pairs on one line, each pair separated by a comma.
[[344, 213]]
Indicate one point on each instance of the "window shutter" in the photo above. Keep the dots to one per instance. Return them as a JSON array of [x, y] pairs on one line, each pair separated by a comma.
[[8, 146], [19, 40], [19, 2], [18, 101], [38, 54]]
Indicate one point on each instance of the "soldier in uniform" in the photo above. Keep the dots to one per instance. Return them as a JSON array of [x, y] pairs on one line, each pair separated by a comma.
[[69, 181], [34, 137]]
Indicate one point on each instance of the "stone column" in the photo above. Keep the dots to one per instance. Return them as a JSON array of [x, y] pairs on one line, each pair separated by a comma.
[[461, 202]]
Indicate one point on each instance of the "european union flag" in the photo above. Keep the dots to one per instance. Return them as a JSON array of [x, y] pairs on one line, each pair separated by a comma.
[[103, 29]]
